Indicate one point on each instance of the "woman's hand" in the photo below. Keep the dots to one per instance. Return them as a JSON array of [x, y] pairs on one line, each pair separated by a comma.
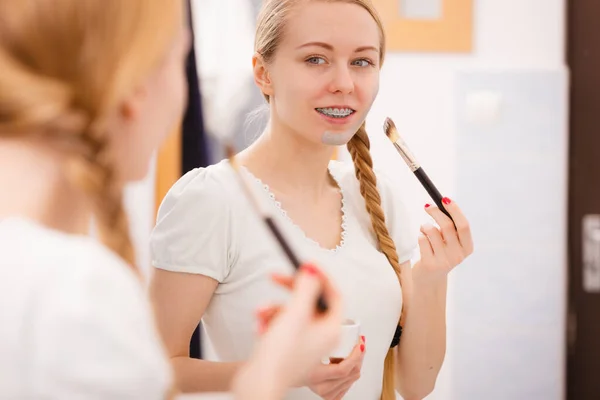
[[332, 381], [442, 248], [329, 381], [295, 337]]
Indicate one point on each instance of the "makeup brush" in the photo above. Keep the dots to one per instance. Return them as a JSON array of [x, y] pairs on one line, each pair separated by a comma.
[[392, 133], [268, 220]]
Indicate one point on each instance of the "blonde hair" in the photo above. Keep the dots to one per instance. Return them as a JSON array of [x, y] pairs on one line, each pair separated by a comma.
[[269, 32], [65, 66]]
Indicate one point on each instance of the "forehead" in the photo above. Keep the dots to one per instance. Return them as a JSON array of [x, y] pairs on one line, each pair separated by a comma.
[[337, 23]]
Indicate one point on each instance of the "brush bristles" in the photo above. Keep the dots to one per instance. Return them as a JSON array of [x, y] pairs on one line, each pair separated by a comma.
[[390, 130]]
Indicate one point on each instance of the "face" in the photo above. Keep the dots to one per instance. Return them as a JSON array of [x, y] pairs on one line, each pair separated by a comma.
[[324, 76], [152, 112]]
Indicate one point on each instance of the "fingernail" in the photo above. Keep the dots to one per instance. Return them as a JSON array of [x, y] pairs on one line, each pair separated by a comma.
[[310, 269], [363, 339], [446, 200], [362, 348], [427, 205]]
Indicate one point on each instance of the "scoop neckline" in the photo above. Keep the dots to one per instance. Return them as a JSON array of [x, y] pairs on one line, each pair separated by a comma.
[[343, 209]]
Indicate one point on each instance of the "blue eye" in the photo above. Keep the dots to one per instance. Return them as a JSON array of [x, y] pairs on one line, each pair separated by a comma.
[[315, 60], [362, 62]]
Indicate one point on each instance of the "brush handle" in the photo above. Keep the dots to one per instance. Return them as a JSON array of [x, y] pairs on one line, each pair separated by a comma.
[[321, 303], [435, 194], [284, 245]]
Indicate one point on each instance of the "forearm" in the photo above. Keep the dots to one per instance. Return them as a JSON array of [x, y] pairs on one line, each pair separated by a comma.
[[423, 343], [256, 380], [193, 375]]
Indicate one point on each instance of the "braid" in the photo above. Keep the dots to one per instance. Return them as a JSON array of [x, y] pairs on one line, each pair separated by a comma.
[[359, 148], [67, 128], [94, 174]]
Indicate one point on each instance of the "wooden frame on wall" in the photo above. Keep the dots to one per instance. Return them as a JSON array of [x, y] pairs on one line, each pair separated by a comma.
[[168, 166], [452, 32]]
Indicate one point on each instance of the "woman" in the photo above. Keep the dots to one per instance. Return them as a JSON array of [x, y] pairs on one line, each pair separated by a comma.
[[317, 63], [88, 90]]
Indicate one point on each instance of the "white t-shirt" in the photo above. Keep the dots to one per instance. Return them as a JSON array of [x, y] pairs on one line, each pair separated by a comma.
[[75, 322], [206, 226]]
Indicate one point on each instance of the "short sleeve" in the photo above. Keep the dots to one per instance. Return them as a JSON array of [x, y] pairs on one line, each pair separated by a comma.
[[94, 337], [402, 227], [193, 233]]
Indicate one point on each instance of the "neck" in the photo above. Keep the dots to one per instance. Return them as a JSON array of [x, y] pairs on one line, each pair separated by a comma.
[[289, 163], [34, 186]]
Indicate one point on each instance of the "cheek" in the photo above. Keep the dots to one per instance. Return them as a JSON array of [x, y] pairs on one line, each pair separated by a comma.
[[181, 90], [168, 101], [292, 90], [174, 88], [376, 88], [302, 87], [368, 91], [164, 105], [290, 98], [372, 87]]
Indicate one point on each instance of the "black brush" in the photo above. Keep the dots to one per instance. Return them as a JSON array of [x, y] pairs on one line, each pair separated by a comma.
[[392, 133], [269, 222]]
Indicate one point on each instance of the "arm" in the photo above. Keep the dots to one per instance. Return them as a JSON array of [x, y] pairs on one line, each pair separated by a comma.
[[248, 384], [179, 300], [422, 347]]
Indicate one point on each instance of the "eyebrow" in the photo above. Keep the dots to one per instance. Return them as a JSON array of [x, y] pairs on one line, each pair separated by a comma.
[[330, 47]]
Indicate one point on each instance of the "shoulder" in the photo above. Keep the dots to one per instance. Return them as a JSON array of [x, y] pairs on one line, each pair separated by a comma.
[[200, 199], [103, 287], [74, 293], [343, 172], [393, 202], [210, 186], [58, 258], [198, 223], [84, 271], [345, 175], [97, 304]]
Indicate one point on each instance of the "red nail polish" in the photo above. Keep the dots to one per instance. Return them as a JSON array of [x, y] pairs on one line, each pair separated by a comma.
[[427, 205], [362, 348], [310, 269], [363, 339], [446, 200]]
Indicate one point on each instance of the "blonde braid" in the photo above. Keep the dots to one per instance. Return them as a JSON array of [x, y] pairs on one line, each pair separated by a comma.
[[94, 174], [50, 116], [359, 148]]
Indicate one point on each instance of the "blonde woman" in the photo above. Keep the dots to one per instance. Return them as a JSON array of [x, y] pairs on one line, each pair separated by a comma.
[[317, 63], [88, 90]]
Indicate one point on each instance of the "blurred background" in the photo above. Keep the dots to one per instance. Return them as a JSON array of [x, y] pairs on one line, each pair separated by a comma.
[[499, 100]]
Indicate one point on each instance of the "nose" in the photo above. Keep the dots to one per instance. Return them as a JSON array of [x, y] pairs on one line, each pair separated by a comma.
[[341, 80]]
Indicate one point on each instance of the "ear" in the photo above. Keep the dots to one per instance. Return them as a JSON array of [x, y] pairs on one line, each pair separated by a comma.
[[131, 106], [262, 77]]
